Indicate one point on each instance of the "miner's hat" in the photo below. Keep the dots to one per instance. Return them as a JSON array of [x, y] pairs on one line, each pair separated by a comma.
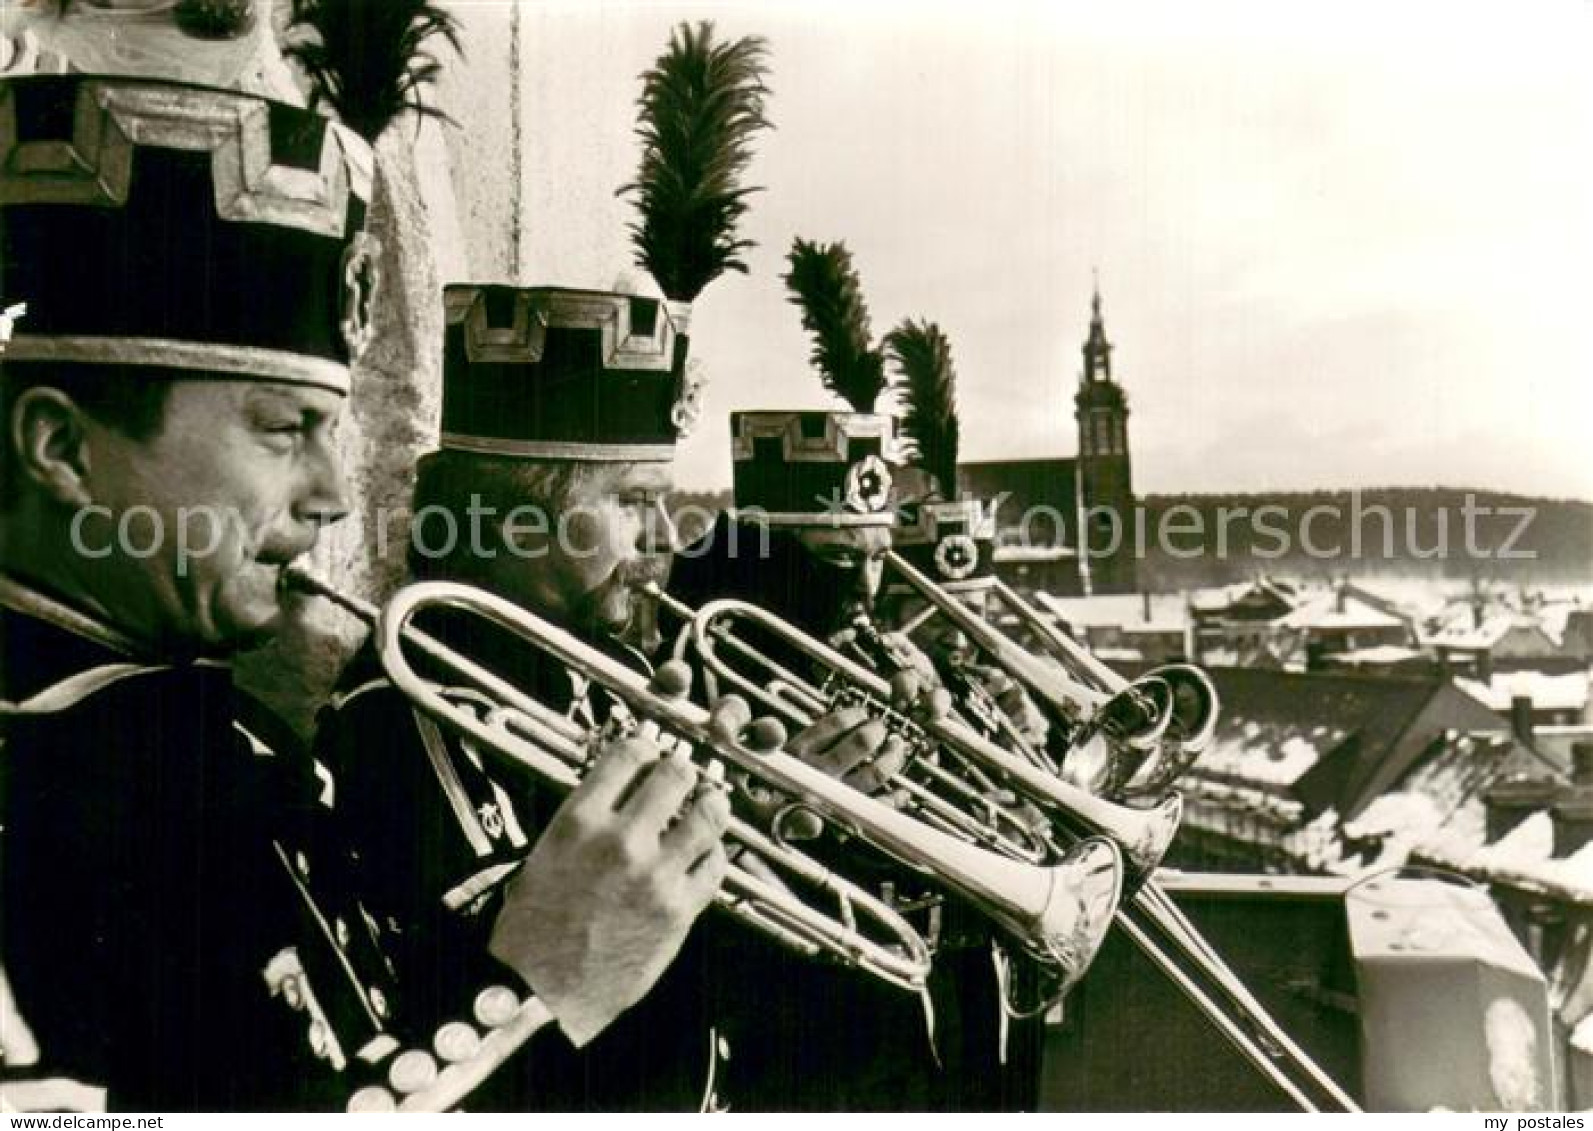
[[813, 468], [152, 225], [554, 373]]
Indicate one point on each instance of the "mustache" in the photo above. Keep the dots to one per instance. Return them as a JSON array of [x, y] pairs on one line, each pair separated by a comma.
[[652, 570], [282, 551]]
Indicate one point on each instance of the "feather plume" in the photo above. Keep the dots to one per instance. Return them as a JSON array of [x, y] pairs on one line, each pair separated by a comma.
[[700, 106], [922, 356], [824, 284], [369, 59]]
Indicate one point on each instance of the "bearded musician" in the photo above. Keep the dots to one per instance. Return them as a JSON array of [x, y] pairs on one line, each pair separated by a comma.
[[567, 451], [816, 508]]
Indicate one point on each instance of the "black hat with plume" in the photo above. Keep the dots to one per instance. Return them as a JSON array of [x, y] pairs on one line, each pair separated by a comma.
[[949, 539], [816, 468], [554, 373]]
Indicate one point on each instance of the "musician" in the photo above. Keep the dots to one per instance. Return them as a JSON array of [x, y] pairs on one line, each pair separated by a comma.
[[952, 542], [813, 516], [563, 446], [181, 926]]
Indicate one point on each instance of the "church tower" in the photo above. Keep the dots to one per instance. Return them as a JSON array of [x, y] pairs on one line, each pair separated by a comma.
[[1104, 481]]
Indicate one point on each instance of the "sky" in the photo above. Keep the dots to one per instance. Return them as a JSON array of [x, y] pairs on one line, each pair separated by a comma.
[[1340, 244]]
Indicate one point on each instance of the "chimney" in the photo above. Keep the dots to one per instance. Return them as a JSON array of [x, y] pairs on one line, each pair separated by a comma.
[[1573, 821], [1573, 813], [1513, 800], [1582, 765], [1521, 718]]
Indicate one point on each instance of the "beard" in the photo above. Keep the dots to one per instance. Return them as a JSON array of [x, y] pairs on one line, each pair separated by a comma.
[[619, 608]]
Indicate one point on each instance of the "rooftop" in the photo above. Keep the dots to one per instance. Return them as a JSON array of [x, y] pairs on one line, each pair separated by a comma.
[[1568, 692], [1169, 612]]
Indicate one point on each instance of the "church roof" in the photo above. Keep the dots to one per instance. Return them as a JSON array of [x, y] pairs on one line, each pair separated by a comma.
[[1021, 486]]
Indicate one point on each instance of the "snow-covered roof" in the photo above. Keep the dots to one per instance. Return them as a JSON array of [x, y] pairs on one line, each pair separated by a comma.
[[1521, 849], [1020, 555], [1269, 753], [1329, 610], [1418, 598], [1552, 619], [1222, 596], [1169, 612], [1118, 655], [1523, 856], [1406, 814], [1461, 632], [1382, 654], [1217, 597], [1567, 692]]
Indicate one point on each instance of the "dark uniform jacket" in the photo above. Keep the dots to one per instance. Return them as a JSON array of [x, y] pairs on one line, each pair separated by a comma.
[[178, 930], [441, 826], [835, 1039]]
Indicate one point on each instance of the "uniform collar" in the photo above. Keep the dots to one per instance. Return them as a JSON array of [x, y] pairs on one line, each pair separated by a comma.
[[21, 597], [45, 639]]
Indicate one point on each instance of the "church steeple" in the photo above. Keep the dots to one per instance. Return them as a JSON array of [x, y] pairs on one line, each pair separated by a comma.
[[1100, 405], [1097, 350], [1104, 481]]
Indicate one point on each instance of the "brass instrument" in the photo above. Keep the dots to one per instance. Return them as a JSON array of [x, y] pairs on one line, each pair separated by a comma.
[[724, 635], [1149, 917], [1058, 913], [1130, 739]]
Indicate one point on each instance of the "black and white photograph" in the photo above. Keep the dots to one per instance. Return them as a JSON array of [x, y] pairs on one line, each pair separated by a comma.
[[758, 556]]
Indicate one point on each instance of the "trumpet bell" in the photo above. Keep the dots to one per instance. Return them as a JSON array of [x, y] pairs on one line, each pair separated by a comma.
[[1144, 835], [1086, 886], [1138, 715], [1195, 703], [1133, 722], [1082, 893], [1192, 719]]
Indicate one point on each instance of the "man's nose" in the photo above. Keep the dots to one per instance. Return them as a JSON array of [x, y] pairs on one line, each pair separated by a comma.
[[659, 535], [326, 492], [869, 576]]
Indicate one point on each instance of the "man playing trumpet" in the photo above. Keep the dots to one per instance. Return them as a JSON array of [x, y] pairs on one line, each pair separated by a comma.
[[570, 464], [813, 516], [182, 927]]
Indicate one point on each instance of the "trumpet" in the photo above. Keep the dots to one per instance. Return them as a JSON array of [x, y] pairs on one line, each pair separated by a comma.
[[1059, 913], [1149, 918], [725, 635], [1128, 739]]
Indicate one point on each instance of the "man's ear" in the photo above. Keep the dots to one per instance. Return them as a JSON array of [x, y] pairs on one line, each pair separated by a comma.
[[47, 434]]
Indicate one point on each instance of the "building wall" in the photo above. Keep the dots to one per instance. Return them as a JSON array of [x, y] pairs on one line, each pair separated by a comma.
[[1106, 492]]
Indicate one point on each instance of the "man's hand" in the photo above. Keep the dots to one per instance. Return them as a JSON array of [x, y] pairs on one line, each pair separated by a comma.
[[614, 884], [852, 746], [1015, 703]]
